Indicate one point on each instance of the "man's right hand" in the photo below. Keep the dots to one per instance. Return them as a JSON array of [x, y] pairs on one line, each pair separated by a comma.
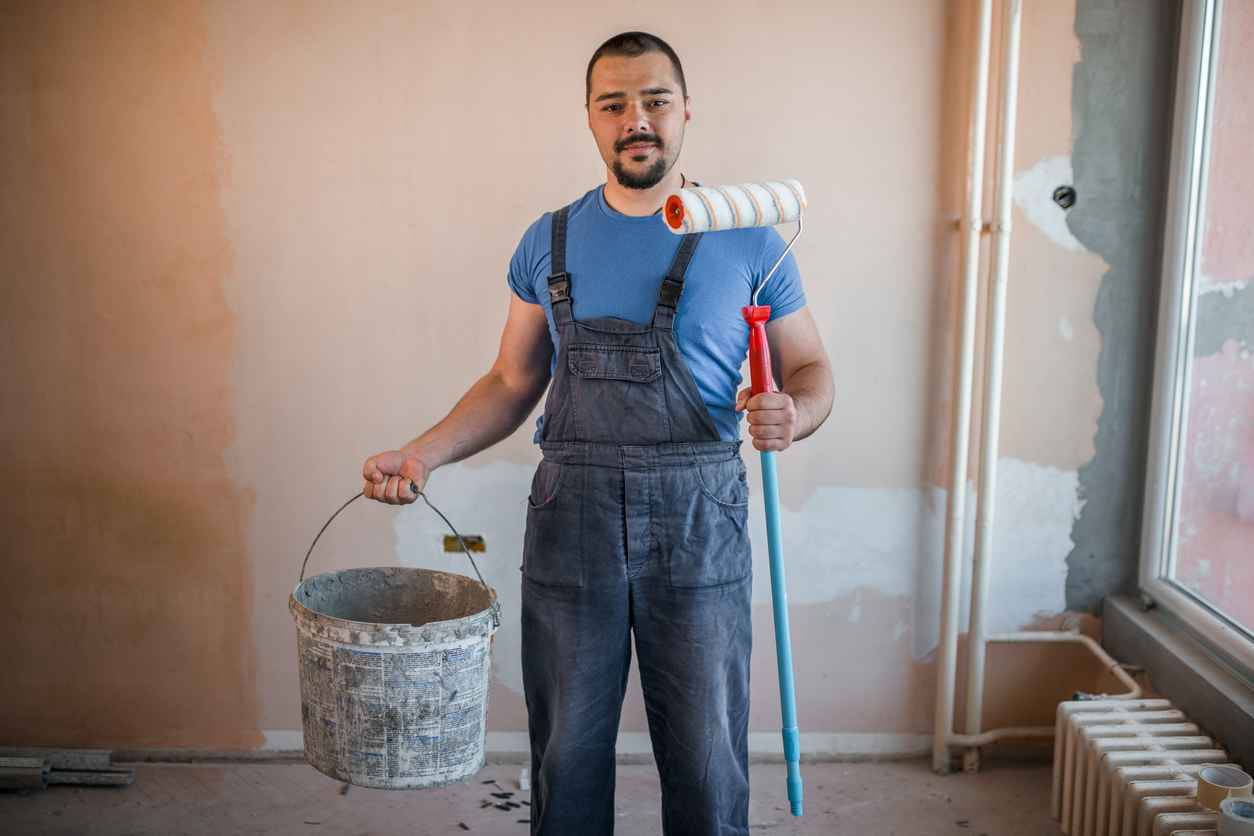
[[388, 477]]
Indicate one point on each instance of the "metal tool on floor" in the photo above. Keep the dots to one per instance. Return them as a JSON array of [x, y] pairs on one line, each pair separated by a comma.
[[33, 768], [709, 209]]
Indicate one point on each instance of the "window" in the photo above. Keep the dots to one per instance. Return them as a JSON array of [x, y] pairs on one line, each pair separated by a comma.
[[1198, 540]]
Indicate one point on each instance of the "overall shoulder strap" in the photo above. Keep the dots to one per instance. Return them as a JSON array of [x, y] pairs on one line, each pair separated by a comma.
[[559, 279], [673, 285]]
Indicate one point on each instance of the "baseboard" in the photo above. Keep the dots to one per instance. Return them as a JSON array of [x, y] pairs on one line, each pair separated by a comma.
[[634, 747]]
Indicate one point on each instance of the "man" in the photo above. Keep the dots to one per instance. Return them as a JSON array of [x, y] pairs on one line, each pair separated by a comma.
[[637, 522]]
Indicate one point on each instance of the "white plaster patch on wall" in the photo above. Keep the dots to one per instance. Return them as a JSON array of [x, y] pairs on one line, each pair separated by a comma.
[[282, 740], [1228, 289], [1065, 329], [1034, 195], [842, 540], [1036, 509], [845, 539]]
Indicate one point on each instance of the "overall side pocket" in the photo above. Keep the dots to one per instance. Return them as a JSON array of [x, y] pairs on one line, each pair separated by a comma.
[[552, 553], [711, 544]]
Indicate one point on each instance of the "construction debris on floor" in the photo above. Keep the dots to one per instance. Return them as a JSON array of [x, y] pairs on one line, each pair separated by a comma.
[[902, 798]]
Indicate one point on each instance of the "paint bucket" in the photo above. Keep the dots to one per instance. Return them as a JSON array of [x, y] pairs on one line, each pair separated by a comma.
[[395, 665]]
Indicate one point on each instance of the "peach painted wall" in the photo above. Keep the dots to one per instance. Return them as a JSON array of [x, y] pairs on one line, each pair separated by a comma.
[[252, 243], [128, 578]]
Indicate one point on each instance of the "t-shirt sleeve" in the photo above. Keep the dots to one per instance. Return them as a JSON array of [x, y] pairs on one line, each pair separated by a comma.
[[529, 259], [783, 292]]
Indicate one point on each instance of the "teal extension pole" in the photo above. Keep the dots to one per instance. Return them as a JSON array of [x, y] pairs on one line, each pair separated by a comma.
[[763, 381], [699, 209]]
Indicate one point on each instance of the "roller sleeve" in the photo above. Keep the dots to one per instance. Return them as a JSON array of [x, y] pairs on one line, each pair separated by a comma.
[[712, 208]]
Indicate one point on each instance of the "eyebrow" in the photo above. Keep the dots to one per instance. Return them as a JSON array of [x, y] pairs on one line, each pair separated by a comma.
[[619, 94]]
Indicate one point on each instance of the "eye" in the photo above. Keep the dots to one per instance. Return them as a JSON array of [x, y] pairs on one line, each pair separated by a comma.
[[659, 103], [612, 108]]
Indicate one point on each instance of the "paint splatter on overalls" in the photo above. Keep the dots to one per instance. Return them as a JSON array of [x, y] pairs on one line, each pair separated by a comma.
[[636, 524]]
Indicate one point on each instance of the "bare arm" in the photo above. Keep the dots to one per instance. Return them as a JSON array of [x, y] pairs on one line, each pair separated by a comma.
[[501, 400], [800, 364], [490, 410]]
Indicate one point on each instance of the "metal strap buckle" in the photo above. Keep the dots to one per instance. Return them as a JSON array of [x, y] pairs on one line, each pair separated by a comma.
[[559, 287], [670, 292]]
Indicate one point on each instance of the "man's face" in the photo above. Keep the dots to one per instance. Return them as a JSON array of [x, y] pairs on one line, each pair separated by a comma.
[[637, 112]]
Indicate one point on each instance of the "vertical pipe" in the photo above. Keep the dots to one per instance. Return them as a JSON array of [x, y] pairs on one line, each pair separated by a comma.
[[994, 351], [960, 422]]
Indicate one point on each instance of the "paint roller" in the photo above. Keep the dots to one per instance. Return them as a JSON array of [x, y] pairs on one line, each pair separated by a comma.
[[710, 209]]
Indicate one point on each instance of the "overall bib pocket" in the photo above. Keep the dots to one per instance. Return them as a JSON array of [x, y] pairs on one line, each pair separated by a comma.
[[552, 548], [618, 389]]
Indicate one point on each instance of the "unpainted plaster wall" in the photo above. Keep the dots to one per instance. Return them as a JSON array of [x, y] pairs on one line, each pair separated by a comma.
[[253, 243], [1121, 97]]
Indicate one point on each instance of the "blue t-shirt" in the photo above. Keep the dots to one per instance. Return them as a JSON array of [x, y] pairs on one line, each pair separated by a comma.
[[617, 262]]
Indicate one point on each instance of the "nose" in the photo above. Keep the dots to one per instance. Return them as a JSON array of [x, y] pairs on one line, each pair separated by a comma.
[[636, 120]]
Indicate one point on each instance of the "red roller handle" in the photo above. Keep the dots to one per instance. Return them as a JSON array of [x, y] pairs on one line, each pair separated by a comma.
[[761, 379]]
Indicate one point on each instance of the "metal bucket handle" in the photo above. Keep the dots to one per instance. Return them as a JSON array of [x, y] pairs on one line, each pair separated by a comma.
[[495, 606]]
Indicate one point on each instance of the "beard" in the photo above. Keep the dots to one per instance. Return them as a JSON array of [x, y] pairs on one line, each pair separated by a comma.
[[646, 179], [652, 175]]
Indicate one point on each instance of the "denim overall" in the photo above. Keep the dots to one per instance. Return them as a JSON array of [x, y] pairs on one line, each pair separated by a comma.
[[636, 524]]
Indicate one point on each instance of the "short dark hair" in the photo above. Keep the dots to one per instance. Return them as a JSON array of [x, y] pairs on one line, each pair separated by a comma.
[[632, 45]]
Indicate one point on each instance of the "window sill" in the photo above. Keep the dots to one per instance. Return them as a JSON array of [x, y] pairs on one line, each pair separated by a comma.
[[1213, 695]]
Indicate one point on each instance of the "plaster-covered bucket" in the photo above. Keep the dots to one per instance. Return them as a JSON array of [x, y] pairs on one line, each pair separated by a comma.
[[394, 671]]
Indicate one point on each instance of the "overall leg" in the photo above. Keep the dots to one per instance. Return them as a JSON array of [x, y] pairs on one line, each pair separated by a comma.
[[576, 654], [693, 648], [692, 622]]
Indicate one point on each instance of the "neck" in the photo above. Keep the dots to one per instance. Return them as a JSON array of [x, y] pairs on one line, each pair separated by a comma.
[[641, 202]]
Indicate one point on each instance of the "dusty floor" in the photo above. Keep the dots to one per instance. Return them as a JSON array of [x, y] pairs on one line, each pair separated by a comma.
[[867, 799]]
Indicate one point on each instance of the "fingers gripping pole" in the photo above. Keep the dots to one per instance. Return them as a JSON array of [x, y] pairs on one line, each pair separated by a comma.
[[763, 381]]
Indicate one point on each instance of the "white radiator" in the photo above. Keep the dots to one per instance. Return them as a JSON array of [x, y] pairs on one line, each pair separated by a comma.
[[1129, 768]]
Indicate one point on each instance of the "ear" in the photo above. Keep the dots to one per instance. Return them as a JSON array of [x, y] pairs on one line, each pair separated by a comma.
[[687, 108]]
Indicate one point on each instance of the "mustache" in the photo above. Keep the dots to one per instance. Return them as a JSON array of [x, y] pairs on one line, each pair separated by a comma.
[[651, 139]]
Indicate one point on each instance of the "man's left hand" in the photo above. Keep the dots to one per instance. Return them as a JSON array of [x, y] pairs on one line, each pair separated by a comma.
[[772, 418]]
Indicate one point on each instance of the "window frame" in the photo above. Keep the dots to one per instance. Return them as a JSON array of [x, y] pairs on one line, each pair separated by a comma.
[[1186, 194]]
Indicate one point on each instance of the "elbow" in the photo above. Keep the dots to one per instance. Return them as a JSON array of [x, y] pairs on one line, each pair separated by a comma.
[[830, 379], [826, 403], [523, 388], [826, 399], [815, 396]]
